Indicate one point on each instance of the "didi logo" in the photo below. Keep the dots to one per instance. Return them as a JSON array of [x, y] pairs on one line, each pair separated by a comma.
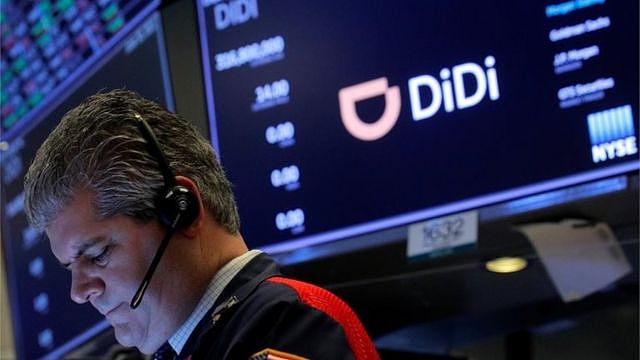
[[369, 131], [463, 86]]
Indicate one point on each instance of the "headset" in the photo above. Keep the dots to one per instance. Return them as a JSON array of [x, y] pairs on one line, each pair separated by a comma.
[[176, 206]]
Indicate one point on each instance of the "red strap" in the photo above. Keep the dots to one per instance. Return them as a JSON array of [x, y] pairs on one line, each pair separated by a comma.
[[321, 299]]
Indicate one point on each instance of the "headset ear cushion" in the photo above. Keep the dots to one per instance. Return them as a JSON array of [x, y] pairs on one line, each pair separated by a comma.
[[176, 200]]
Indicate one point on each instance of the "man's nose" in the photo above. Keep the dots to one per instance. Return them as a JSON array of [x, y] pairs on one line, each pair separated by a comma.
[[84, 286]]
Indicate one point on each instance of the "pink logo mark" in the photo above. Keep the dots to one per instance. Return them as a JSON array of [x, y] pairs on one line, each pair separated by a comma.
[[348, 97]]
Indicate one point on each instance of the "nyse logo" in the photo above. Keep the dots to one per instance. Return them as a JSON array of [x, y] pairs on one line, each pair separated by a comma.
[[450, 90], [612, 134], [234, 12]]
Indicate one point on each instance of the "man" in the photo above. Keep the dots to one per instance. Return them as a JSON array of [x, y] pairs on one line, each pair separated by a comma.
[[138, 209]]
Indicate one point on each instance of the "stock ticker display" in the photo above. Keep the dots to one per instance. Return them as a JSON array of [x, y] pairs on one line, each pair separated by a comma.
[[45, 43], [334, 119], [46, 323]]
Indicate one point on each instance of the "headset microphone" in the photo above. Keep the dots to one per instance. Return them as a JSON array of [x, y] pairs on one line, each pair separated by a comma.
[[177, 207]]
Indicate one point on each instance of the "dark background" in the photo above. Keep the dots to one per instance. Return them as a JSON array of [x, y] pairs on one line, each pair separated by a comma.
[[447, 307]]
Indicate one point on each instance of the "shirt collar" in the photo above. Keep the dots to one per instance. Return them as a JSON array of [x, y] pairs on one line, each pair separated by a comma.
[[214, 289]]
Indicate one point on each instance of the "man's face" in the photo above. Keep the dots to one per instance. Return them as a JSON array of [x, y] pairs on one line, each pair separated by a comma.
[[107, 260]]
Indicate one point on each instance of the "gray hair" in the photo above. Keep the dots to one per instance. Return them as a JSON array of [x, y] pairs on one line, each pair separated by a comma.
[[98, 147]]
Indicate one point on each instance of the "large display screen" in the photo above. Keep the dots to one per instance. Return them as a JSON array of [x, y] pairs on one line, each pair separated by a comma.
[[335, 119], [38, 286]]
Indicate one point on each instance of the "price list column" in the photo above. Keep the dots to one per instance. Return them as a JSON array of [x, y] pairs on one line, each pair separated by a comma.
[[23, 247], [247, 52]]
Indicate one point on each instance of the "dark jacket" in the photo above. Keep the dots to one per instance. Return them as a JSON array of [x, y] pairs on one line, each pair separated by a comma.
[[259, 309]]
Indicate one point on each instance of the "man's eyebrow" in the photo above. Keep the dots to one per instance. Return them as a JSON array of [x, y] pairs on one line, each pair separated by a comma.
[[82, 248]]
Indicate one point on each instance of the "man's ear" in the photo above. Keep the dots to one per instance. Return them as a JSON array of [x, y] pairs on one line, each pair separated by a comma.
[[195, 227]]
